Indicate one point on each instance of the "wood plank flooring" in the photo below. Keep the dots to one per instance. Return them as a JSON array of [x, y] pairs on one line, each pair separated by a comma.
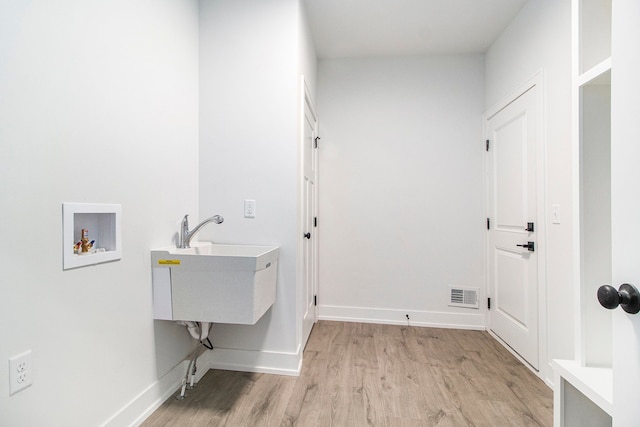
[[357, 374]]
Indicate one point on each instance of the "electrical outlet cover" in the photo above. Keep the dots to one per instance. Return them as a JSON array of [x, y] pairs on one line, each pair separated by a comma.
[[20, 372], [249, 208]]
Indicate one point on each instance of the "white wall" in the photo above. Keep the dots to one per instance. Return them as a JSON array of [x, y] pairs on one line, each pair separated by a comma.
[[539, 38], [307, 59], [401, 196], [250, 60], [98, 103]]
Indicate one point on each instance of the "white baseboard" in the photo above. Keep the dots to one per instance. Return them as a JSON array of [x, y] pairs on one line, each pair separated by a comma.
[[266, 362], [143, 405], [549, 373], [433, 319]]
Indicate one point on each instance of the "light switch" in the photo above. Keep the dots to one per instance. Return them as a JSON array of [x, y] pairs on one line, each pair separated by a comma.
[[555, 214]]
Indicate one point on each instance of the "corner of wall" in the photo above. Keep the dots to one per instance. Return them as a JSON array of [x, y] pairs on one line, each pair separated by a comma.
[[145, 403]]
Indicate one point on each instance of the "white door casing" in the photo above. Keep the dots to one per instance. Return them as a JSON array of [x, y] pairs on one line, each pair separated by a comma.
[[514, 199], [625, 205], [309, 215]]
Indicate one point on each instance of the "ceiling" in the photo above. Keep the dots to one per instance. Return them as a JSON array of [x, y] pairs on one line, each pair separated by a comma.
[[357, 28]]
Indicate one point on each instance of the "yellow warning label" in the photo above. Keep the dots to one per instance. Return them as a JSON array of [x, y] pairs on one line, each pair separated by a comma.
[[169, 261]]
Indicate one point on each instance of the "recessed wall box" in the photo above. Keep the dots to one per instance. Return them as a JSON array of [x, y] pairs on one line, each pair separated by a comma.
[[103, 224]]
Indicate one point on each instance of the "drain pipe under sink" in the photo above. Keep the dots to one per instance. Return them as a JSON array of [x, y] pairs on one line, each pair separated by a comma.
[[200, 332]]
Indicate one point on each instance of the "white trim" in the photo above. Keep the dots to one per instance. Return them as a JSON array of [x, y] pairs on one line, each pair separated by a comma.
[[496, 108], [537, 80], [299, 213], [266, 362], [576, 188], [434, 319], [595, 383], [546, 372], [150, 399]]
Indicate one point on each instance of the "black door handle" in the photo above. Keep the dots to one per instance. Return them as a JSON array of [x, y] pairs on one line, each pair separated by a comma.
[[530, 246], [626, 297], [307, 235]]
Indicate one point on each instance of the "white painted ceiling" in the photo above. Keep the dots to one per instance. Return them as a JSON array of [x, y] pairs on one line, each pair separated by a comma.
[[356, 28]]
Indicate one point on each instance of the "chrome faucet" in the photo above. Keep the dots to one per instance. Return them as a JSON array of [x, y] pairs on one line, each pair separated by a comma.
[[186, 235]]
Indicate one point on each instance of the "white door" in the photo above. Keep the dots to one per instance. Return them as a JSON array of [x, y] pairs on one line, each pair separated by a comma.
[[512, 195], [625, 205], [310, 208]]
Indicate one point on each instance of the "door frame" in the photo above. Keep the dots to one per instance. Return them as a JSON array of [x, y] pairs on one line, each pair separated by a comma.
[[624, 181], [545, 370]]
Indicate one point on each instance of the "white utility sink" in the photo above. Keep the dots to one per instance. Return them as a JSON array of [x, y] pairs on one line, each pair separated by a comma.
[[214, 283]]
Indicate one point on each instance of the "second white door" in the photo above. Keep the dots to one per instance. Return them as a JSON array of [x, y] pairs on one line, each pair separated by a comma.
[[309, 215], [513, 227]]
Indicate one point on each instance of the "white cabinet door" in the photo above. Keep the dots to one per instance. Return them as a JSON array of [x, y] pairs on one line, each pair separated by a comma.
[[625, 204]]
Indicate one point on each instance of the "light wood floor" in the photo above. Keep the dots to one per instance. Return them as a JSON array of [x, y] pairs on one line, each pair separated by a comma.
[[357, 374]]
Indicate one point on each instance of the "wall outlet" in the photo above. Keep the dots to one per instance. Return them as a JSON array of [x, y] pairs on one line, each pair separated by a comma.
[[249, 208], [20, 372]]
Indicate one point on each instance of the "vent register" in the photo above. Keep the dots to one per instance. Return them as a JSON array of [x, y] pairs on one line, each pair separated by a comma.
[[464, 297]]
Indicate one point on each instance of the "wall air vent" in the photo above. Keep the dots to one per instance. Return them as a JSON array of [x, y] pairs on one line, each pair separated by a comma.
[[464, 297]]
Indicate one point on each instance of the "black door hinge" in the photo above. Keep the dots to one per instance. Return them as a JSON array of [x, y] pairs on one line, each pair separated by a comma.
[[315, 142], [315, 300], [487, 145], [488, 303], [488, 224], [315, 221]]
